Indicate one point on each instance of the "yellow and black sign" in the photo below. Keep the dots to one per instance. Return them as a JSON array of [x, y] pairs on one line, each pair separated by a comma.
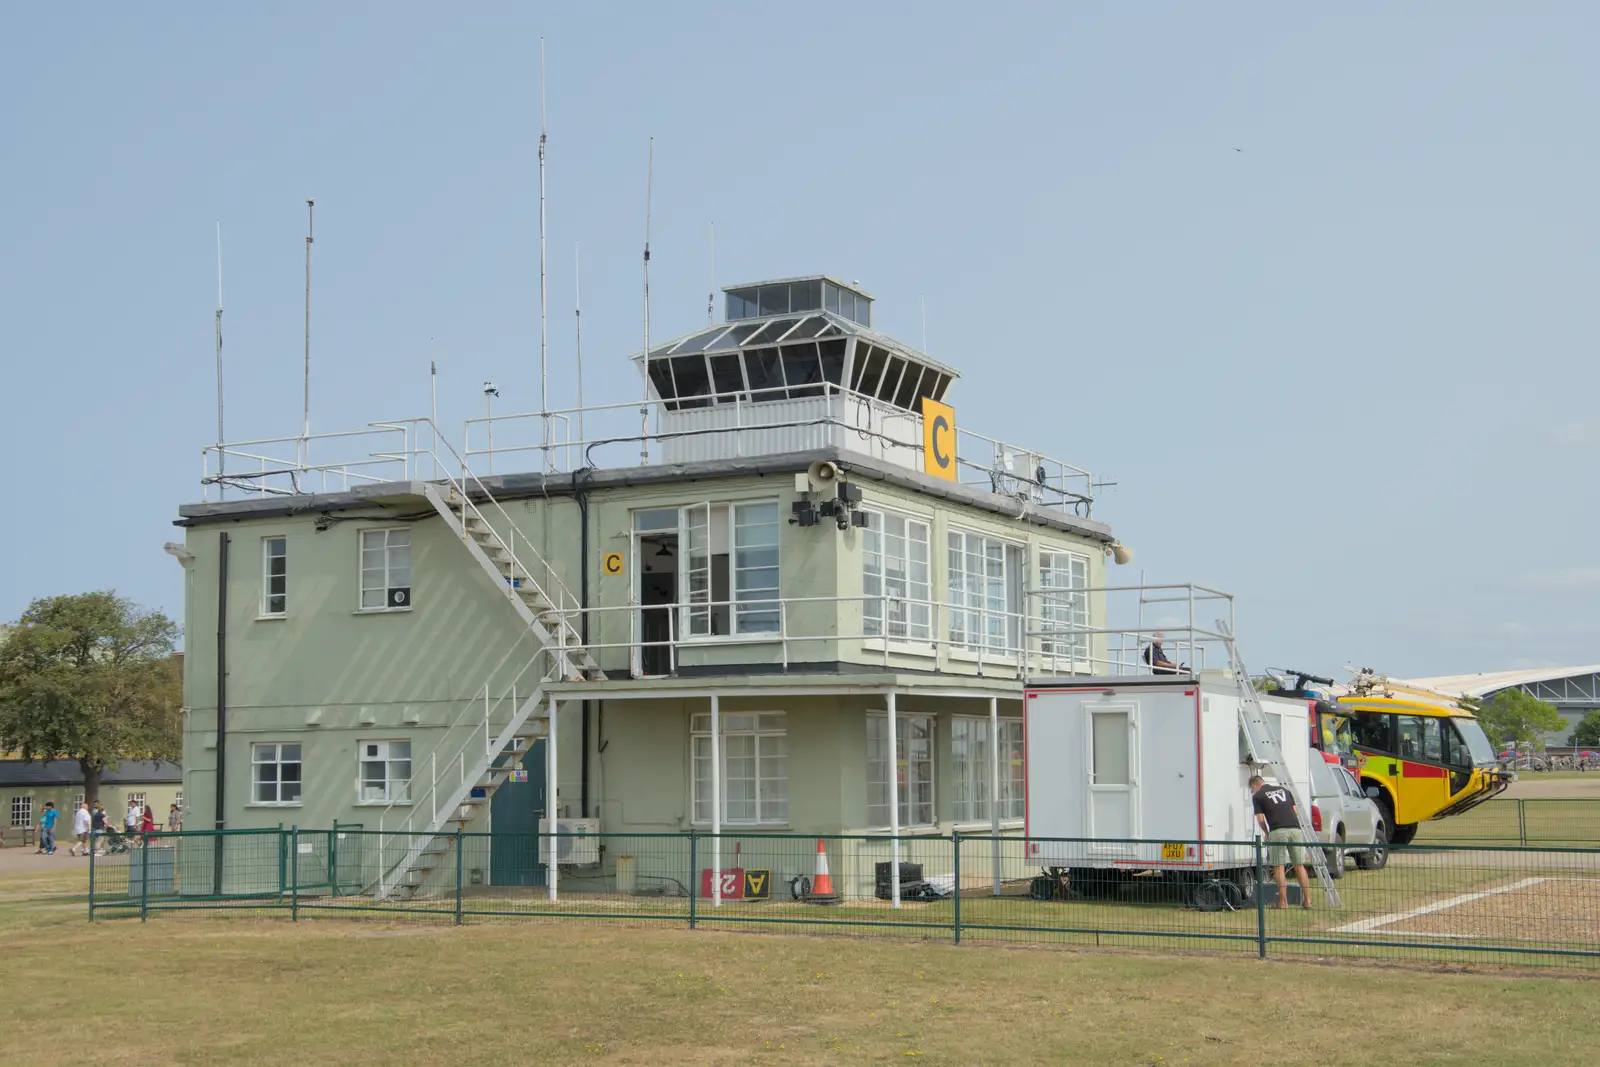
[[757, 884], [612, 564], [938, 439]]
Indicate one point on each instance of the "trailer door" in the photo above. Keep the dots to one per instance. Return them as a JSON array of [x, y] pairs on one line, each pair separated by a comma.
[[1113, 776]]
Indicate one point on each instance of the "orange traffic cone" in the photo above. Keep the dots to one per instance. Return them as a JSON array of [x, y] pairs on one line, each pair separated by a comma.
[[822, 882]]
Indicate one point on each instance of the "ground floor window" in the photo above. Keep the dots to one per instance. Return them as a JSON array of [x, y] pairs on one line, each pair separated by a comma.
[[970, 763], [385, 772], [21, 811], [913, 761], [275, 773], [755, 768], [77, 802], [136, 800]]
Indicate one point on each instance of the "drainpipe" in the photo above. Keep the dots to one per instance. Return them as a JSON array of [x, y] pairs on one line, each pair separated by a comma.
[[222, 706], [583, 628]]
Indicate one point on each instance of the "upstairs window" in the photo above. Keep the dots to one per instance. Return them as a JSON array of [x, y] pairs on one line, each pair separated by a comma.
[[1064, 608], [274, 576], [275, 773], [895, 577], [386, 569], [985, 591], [730, 593]]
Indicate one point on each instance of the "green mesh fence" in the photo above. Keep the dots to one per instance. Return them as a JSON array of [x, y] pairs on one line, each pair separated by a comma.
[[1443, 902]]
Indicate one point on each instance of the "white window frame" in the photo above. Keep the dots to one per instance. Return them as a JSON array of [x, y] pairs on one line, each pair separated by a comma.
[[395, 790], [388, 570], [22, 810], [696, 542], [970, 793], [766, 731], [259, 749], [77, 802], [266, 610], [986, 640], [1071, 651], [888, 570], [914, 814]]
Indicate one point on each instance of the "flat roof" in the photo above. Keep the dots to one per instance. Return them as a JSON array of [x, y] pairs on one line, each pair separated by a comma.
[[535, 484], [854, 287]]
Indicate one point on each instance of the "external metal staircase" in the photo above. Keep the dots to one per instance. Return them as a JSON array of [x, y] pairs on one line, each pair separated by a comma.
[[417, 844]]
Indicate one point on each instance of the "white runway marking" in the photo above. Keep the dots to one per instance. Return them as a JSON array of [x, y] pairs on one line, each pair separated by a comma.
[[1384, 920]]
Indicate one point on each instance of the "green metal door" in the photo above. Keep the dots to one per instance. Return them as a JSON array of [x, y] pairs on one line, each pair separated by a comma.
[[514, 814]]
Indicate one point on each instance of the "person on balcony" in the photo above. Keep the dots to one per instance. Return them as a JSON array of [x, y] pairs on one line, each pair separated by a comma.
[[1156, 657]]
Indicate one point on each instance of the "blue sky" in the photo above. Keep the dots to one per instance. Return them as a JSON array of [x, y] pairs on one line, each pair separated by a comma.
[[1315, 290]]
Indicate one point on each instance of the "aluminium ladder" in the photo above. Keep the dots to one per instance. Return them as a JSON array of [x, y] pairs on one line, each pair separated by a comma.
[[1269, 751]]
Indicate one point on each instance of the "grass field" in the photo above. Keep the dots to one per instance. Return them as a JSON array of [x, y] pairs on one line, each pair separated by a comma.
[[203, 989]]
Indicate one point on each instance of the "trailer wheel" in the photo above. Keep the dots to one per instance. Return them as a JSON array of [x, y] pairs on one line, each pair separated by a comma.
[[1245, 879], [1091, 883], [1208, 895], [1044, 887]]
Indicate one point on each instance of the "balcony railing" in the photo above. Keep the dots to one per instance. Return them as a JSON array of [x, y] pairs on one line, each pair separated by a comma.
[[727, 426]]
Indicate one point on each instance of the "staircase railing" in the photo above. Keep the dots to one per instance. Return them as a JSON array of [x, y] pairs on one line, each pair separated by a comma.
[[451, 774]]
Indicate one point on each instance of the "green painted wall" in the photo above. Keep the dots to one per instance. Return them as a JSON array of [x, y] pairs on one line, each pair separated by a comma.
[[329, 675]]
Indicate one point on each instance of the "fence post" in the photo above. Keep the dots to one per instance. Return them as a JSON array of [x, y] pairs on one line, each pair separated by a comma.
[[144, 876], [1261, 910], [1522, 822], [460, 864], [955, 845], [694, 866], [294, 873], [333, 860], [283, 862], [92, 847]]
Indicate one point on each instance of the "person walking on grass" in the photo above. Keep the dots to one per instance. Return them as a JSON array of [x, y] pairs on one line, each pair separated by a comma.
[[97, 826], [1279, 820], [82, 823], [47, 829]]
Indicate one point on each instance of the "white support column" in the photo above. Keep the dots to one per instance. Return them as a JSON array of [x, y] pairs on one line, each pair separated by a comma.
[[994, 787], [716, 802], [551, 800], [894, 802]]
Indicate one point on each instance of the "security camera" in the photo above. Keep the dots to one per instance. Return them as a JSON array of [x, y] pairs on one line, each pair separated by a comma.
[[178, 552]]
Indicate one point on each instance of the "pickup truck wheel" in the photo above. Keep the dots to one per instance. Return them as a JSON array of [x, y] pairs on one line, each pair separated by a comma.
[[1334, 857], [1373, 859]]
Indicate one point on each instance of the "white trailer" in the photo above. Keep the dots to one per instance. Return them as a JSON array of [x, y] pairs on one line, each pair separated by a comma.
[[1148, 773]]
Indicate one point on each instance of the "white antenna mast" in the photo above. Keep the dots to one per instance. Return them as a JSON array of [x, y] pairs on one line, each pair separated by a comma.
[[711, 278], [644, 411], [305, 424], [544, 332], [577, 314], [222, 462]]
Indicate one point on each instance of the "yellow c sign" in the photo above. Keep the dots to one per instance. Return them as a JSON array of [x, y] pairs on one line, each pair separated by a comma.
[[613, 563], [938, 439]]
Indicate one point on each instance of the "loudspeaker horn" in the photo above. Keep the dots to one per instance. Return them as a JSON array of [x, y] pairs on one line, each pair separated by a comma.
[[822, 474]]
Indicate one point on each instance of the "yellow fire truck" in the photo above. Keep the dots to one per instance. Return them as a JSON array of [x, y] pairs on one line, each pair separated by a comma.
[[1419, 754]]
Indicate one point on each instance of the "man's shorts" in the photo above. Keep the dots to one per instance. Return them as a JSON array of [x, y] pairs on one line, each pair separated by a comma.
[[1286, 846]]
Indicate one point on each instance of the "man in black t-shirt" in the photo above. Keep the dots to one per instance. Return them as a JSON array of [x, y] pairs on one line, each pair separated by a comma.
[[1279, 820]]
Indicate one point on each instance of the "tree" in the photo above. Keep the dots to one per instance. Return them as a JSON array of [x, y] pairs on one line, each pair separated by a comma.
[[91, 677], [1587, 733], [1514, 716]]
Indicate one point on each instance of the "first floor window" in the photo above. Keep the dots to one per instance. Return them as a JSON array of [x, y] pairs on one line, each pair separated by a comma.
[[912, 766], [21, 811], [385, 771], [970, 761], [1064, 606], [275, 773], [985, 590], [894, 577], [385, 569], [729, 580], [755, 768], [274, 575]]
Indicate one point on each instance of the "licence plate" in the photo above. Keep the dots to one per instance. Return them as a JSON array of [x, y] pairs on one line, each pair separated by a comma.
[[1170, 851]]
